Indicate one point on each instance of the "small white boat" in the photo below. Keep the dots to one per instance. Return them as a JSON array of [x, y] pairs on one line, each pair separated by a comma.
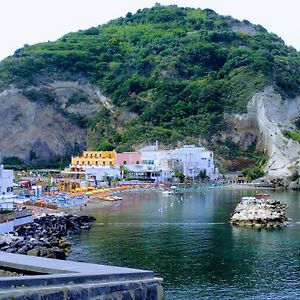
[[167, 192]]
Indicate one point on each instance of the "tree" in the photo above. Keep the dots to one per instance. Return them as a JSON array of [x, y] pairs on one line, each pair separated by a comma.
[[203, 174], [253, 173], [180, 176]]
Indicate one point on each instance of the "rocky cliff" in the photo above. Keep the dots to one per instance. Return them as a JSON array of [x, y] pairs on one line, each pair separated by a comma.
[[44, 131], [176, 75], [268, 117]]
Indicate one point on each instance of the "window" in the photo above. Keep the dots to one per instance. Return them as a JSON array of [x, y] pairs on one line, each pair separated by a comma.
[[95, 155], [103, 163], [124, 162], [137, 162], [96, 162], [77, 163], [91, 156], [110, 163], [88, 162], [87, 155]]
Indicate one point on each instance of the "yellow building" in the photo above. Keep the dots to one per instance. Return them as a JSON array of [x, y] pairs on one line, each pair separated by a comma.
[[95, 158]]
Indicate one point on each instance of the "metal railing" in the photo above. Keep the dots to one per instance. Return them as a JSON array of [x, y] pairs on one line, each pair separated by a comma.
[[15, 215]]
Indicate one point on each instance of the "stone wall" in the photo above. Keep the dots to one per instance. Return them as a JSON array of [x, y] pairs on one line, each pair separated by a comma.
[[123, 290], [56, 279]]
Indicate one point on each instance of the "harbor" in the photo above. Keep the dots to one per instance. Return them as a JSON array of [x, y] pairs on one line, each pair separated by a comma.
[[187, 239]]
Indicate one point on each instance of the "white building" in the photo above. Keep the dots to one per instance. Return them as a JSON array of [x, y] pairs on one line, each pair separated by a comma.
[[188, 159], [6, 181], [99, 173], [157, 162], [191, 160], [149, 156], [7, 197]]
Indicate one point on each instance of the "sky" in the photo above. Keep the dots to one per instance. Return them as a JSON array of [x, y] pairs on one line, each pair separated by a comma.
[[34, 21]]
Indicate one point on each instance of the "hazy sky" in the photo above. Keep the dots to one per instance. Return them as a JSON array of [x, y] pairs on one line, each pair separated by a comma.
[[33, 21]]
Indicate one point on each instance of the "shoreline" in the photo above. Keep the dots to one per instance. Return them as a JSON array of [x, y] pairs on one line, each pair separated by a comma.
[[95, 202]]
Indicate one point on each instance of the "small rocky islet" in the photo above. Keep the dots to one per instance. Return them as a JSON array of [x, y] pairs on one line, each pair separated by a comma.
[[47, 236], [259, 213]]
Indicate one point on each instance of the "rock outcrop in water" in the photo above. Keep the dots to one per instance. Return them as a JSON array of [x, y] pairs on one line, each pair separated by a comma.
[[258, 213], [46, 237]]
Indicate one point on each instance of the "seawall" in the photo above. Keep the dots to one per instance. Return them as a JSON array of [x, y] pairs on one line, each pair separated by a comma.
[[57, 279]]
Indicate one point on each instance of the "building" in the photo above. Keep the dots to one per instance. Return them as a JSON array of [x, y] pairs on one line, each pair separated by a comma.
[[93, 164], [95, 158], [148, 163], [7, 198], [128, 158], [102, 173], [6, 182], [191, 160]]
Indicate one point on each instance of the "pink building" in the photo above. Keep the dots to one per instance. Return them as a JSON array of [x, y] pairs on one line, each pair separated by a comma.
[[128, 158]]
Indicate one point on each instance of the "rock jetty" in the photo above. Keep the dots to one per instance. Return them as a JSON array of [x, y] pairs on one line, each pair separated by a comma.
[[46, 236], [258, 213]]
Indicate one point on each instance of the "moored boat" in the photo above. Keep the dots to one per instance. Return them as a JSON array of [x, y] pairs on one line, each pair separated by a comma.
[[262, 195]]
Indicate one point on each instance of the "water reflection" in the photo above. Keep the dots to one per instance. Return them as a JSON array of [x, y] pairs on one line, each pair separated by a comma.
[[187, 240]]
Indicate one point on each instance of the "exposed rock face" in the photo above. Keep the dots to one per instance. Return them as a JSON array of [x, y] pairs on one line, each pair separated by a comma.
[[45, 237], [259, 213], [268, 115], [42, 129]]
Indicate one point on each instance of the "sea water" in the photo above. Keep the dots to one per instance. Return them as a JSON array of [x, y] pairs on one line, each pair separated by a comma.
[[186, 239]]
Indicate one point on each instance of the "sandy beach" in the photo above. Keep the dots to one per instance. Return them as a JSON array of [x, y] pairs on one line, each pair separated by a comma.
[[87, 209]]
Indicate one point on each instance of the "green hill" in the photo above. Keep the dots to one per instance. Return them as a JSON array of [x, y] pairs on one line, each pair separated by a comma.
[[173, 72]]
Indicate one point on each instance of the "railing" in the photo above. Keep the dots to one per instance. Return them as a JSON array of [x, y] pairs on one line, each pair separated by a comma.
[[15, 215]]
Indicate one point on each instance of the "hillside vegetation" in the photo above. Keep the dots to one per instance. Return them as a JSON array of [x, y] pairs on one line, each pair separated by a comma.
[[174, 71]]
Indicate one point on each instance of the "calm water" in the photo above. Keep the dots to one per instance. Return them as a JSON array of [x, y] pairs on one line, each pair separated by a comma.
[[186, 239]]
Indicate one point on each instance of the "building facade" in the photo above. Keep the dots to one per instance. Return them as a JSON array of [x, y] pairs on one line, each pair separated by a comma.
[[95, 158], [191, 160], [128, 158], [148, 163], [6, 181]]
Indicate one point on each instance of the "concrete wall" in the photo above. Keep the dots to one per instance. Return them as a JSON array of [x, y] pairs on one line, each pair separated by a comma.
[[122, 290], [75, 281], [22, 221], [9, 225], [6, 227]]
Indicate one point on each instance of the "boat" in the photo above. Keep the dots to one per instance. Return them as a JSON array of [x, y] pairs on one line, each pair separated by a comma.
[[111, 198], [262, 195], [166, 192]]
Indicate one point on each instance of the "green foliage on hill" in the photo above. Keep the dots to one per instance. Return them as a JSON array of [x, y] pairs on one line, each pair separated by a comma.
[[177, 69], [292, 134], [253, 173]]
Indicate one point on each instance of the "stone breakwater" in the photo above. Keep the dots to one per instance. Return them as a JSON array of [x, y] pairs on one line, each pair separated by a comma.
[[46, 236], [258, 213]]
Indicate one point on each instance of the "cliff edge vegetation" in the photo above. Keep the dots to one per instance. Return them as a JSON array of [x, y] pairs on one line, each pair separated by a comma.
[[167, 73]]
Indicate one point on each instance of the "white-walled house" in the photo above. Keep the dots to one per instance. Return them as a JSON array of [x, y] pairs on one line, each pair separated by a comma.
[[101, 172], [149, 156], [207, 163], [6, 181], [157, 161], [191, 160], [7, 197]]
